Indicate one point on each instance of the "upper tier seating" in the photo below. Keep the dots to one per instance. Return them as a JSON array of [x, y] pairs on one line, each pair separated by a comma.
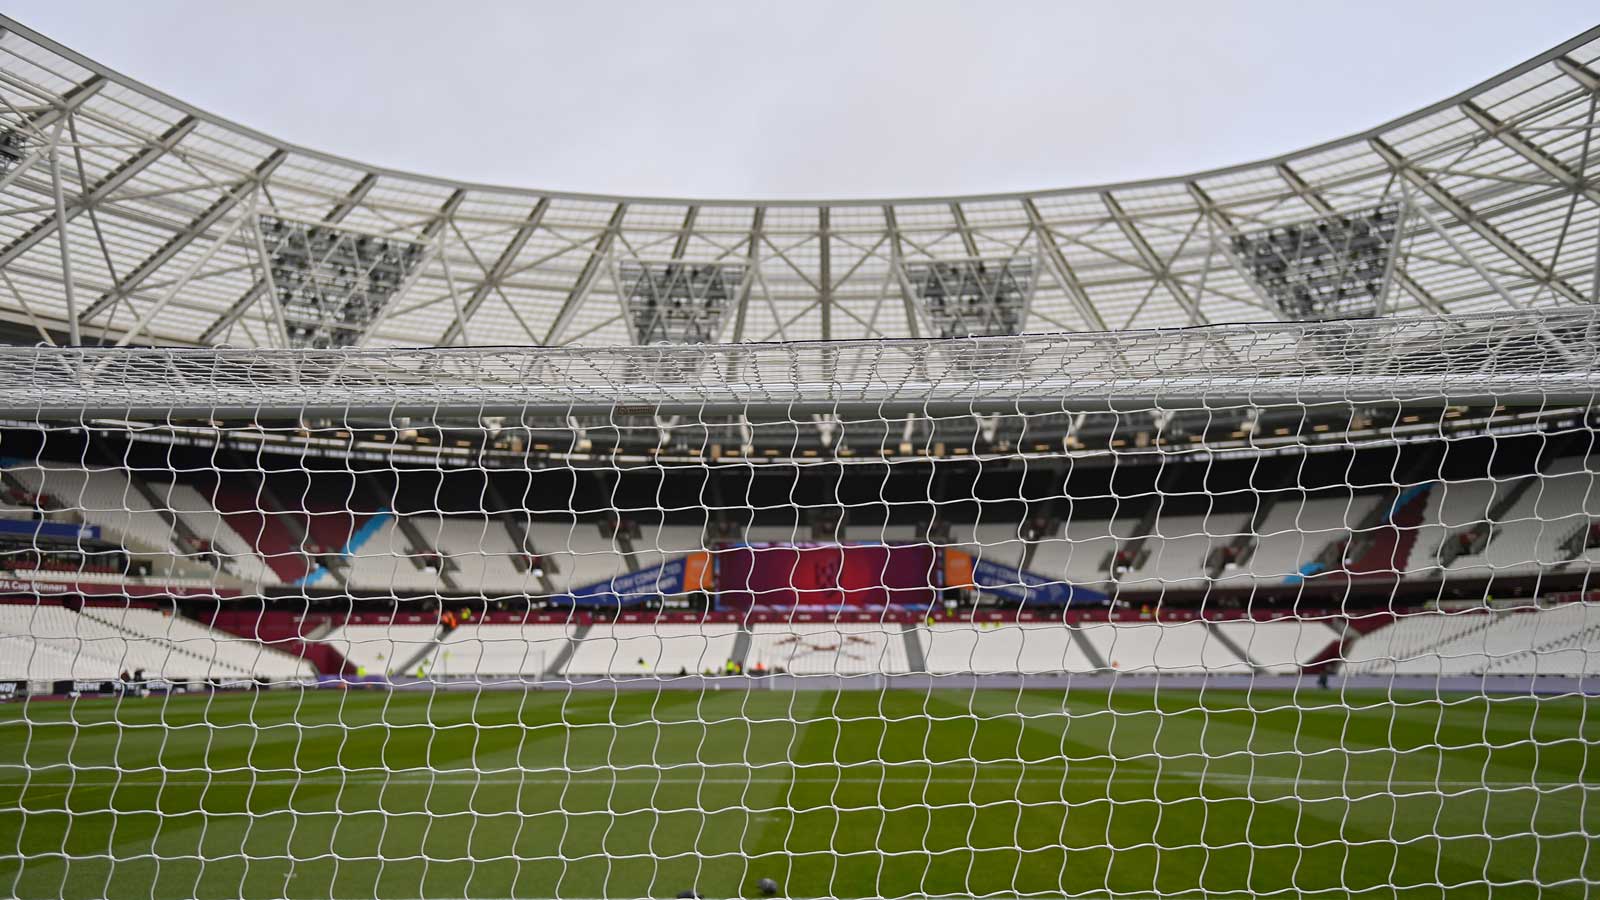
[[886, 533], [9, 510], [1296, 530], [330, 522], [658, 543], [208, 525], [103, 497], [1451, 507], [1529, 535], [1178, 549], [384, 562], [481, 551], [580, 553], [778, 534], [263, 549], [245, 513], [994, 541], [1077, 553]]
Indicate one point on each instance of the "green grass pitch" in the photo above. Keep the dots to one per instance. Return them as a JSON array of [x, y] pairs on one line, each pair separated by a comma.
[[1131, 792]]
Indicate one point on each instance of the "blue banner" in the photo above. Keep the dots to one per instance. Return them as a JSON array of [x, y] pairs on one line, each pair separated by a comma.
[[632, 588], [1021, 586], [64, 531]]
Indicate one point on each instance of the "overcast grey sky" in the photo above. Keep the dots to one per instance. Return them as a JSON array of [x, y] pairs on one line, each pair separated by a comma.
[[808, 98]]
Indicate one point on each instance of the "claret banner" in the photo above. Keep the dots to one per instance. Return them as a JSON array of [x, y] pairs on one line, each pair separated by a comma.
[[786, 575], [823, 574]]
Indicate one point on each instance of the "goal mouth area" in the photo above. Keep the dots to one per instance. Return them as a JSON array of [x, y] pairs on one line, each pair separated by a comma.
[[1524, 358]]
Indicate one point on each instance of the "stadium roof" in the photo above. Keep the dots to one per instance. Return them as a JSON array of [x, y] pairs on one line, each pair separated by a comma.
[[128, 216]]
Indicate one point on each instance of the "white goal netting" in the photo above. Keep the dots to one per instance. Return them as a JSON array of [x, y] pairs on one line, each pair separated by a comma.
[[1251, 611]]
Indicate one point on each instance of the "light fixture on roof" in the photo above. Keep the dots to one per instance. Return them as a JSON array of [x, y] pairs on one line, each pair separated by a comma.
[[678, 302], [333, 283], [1330, 267], [975, 296], [13, 148]]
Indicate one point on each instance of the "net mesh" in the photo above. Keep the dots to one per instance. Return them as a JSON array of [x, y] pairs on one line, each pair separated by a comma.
[[1287, 610]]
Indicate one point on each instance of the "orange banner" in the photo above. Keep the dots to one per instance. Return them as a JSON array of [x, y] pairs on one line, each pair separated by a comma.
[[957, 568], [697, 572]]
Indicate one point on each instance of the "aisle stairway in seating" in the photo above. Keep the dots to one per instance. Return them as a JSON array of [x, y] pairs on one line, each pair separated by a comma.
[[1387, 546]]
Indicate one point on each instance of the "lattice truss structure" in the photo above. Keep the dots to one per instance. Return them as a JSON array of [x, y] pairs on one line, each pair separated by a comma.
[[129, 217]]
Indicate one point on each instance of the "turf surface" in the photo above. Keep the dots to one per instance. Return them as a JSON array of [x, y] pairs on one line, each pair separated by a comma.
[[854, 794]]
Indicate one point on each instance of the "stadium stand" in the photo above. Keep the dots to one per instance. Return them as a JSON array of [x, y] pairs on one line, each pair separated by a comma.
[[659, 542], [1528, 536], [102, 497], [387, 648], [225, 653], [15, 507], [244, 512], [1560, 641], [1027, 647], [481, 552], [1452, 506], [777, 534], [656, 649], [1510, 642], [238, 555], [1295, 531], [1000, 542], [579, 553], [1079, 551], [386, 561], [1179, 547], [1282, 646], [829, 649], [1541, 531], [1384, 541], [1151, 647], [1408, 638], [49, 659], [105, 641], [490, 651], [294, 633]]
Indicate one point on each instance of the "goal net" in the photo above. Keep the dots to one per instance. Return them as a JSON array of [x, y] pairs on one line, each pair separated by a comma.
[[1244, 611]]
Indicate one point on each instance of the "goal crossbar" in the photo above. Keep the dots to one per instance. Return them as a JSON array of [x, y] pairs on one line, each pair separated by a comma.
[[1526, 357]]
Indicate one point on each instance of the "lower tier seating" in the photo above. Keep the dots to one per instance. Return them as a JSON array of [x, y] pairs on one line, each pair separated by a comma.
[[47, 642]]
